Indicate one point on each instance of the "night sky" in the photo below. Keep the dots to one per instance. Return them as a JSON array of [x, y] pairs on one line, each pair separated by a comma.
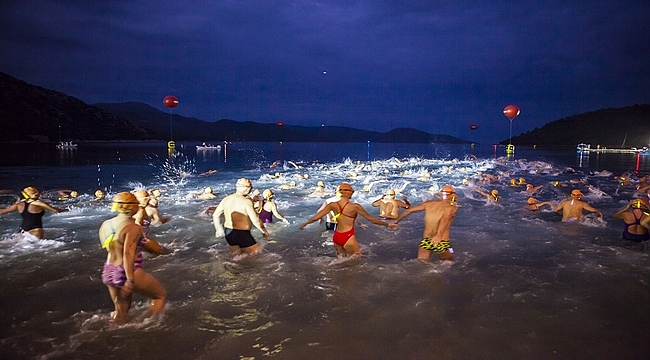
[[437, 66]]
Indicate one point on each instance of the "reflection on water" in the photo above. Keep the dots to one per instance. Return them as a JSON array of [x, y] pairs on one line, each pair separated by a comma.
[[524, 285]]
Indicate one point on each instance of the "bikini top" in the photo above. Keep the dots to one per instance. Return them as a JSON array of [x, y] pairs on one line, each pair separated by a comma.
[[341, 212], [111, 237]]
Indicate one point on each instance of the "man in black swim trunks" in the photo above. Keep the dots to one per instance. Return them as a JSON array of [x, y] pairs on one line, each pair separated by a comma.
[[438, 216], [239, 215]]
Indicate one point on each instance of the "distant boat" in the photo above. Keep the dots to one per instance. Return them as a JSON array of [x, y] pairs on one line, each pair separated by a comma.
[[582, 147], [66, 145], [208, 147]]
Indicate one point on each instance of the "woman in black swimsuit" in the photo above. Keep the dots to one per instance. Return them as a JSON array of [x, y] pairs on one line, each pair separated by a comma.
[[32, 210]]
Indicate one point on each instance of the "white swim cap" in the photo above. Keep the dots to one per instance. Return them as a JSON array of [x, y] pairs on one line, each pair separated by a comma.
[[243, 182]]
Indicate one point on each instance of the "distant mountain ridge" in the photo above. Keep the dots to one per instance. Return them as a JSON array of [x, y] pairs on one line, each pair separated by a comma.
[[184, 128], [612, 127], [33, 113]]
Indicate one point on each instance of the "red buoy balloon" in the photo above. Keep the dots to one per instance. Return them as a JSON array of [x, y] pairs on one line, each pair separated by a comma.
[[473, 127], [170, 101], [511, 111], [280, 123]]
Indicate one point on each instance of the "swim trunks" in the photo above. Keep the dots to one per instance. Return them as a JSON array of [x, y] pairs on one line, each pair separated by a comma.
[[340, 238], [330, 225], [31, 221], [241, 238], [440, 247]]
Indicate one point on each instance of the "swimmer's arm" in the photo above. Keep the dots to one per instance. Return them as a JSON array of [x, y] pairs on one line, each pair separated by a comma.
[[406, 202], [48, 206], [377, 202], [559, 207], [132, 232], [274, 209], [361, 211], [545, 203], [156, 219], [13, 207], [216, 219], [620, 215], [408, 211], [138, 215], [322, 212], [593, 210], [482, 192]]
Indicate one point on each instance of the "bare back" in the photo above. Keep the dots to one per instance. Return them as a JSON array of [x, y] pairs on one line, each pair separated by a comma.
[[238, 212], [434, 213]]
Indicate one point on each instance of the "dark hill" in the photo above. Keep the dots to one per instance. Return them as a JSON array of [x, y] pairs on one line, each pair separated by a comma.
[[184, 128], [605, 127], [33, 113]]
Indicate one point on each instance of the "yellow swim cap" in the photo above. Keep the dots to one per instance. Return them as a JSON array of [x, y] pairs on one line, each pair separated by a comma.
[[30, 192]]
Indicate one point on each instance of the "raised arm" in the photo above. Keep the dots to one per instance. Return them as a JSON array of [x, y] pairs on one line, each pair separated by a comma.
[[361, 211], [620, 215], [47, 206], [408, 211], [322, 212], [13, 207]]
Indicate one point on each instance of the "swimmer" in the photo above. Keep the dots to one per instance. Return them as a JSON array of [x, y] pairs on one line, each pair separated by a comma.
[[388, 206], [268, 208], [99, 195], [319, 190], [573, 207], [438, 216], [206, 195], [239, 216], [149, 210], [209, 172], [634, 215], [493, 196], [290, 185], [67, 195], [346, 212], [532, 189], [31, 209], [533, 205], [123, 272]]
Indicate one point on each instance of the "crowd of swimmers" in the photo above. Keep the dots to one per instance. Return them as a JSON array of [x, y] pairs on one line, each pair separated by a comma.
[[127, 235]]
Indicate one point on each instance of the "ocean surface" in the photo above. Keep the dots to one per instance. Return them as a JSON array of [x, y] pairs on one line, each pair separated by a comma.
[[523, 286]]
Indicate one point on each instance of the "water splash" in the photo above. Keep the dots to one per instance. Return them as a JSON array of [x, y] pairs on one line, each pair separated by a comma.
[[176, 169]]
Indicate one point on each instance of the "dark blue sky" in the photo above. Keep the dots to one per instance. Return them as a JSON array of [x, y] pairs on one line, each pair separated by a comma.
[[437, 66]]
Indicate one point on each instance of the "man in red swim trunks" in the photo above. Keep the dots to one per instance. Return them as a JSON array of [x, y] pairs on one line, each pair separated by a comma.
[[346, 212]]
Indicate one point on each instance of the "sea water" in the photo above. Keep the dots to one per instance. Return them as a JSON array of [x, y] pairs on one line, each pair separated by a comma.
[[523, 285]]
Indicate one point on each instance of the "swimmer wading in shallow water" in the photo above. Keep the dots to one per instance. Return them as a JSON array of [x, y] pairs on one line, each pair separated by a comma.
[[346, 213], [438, 216], [31, 209], [123, 272]]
